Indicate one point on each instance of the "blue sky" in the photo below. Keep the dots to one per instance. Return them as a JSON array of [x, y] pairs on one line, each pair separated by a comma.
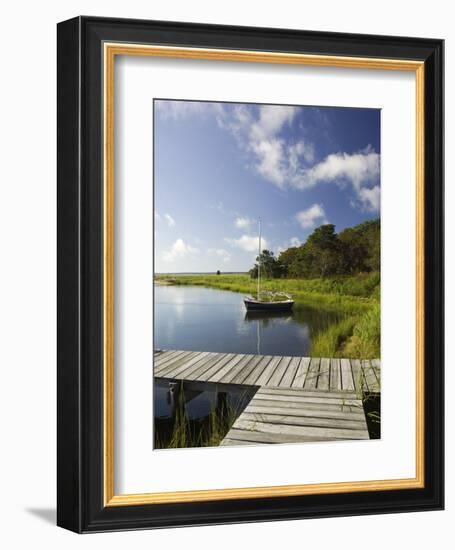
[[219, 167]]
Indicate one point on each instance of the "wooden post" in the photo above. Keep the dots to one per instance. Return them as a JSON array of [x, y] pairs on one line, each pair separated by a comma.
[[221, 401], [174, 395]]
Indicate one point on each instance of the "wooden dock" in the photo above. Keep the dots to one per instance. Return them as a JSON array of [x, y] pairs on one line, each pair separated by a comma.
[[297, 399], [290, 416], [310, 373]]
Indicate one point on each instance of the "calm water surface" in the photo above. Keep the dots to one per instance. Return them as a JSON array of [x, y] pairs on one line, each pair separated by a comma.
[[204, 319]]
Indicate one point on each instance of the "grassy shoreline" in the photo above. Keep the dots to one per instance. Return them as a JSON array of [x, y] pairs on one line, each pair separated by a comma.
[[356, 336]]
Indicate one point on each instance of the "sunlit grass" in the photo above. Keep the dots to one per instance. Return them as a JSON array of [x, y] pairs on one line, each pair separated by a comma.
[[328, 342], [365, 341]]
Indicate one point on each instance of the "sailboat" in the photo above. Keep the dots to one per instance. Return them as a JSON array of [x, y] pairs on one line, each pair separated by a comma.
[[267, 301]]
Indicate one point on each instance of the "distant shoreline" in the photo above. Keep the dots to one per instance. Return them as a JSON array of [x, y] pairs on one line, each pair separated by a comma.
[[182, 273], [169, 279], [163, 282]]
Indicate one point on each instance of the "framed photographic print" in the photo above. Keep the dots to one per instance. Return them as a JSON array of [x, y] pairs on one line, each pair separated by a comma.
[[250, 274]]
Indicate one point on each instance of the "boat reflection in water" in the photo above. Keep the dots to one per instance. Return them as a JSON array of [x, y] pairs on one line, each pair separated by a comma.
[[265, 316], [264, 319]]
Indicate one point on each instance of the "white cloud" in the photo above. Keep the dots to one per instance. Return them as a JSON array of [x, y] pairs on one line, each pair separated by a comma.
[[178, 109], [243, 222], [167, 217], [170, 220], [258, 135], [295, 241], [285, 163], [361, 170], [299, 150], [223, 254], [248, 243], [272, 118], [270, 160], [238, 120], [358, 169], [370, 198], [312, 215], [179, 250]]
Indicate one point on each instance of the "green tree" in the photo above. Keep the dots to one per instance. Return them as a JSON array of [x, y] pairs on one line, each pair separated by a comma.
[[270, 267], [322, 252], [326, 253], [362, 247], [288, 260]]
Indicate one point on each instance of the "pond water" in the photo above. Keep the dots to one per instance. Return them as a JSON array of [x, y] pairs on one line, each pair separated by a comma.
[[204, 319]]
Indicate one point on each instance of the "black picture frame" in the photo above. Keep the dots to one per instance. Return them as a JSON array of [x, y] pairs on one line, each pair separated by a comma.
[[80, 282]]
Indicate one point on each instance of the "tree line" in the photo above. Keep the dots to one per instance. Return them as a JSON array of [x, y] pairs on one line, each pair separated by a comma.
[[326, 253]]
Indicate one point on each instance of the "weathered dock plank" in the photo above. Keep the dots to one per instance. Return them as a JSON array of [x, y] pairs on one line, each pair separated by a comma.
[[347, 380], [311, 380], [308, 373], [240, 366], [370, 376], [278, 374], [304, 420], [349, 405], [357, 376], [302, 371], [258, 370], [334, 394], [247, 370], [324, 374], [304, 397], [281, 429], [178, 364], [216, 367], [242, 437], [275, 415], [218, 375], [193, 365], [290, 373], [335, 375], [168, 358], [334, 413], [206, 366], [268, 371]]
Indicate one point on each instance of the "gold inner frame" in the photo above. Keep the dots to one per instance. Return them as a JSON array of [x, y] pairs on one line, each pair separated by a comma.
[[111, 50]]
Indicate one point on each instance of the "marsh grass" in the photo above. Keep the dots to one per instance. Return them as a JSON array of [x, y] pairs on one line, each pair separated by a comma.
[[372, 407], [205, 432], [328, 342], [365, 341], [371, 403]]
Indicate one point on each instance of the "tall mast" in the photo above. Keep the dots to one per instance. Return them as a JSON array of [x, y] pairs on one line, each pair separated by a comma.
[[259, 258]]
